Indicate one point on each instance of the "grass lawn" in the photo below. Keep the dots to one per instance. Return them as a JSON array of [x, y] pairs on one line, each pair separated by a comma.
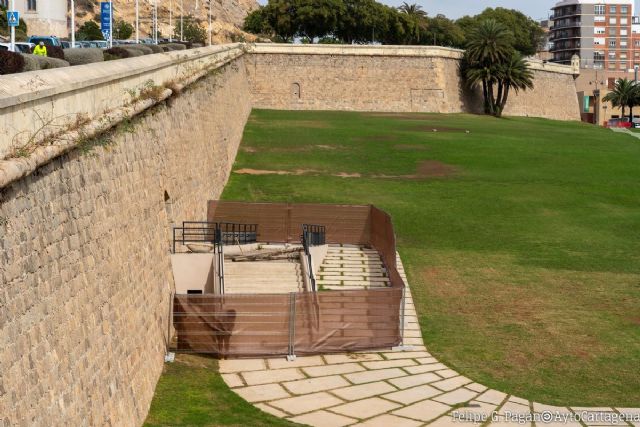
[[521, 237], [192, 393]]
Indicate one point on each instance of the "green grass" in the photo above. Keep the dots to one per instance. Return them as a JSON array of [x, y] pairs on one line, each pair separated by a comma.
[[191, 393], [523, 251]]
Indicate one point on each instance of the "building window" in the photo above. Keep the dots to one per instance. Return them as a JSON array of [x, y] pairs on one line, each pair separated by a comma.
[[32, 5], [599, 9], [623, 32], [613, 21], [623, 65], [612, 9], [624, 10], [612, 43], [600, 18], [612, 56], [612, 31], [598, 30], [624, 21], [623, 42], [598, 40]]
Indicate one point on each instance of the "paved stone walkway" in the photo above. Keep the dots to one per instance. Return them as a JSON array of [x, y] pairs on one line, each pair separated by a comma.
[[391, 389]]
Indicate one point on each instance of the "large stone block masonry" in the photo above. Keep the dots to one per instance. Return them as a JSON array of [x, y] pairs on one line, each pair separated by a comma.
[[84, 259]]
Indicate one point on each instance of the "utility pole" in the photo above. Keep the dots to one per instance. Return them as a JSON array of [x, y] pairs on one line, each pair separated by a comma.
[[137, 22], [155, 21], [170, 21], [73, 24], [13, 29], [110, 23], [210, 29], [181, 20]]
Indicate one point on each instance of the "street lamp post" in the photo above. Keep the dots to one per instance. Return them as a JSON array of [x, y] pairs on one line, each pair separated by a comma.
[[110, 24], [137, 22], [13, 29], [73, 24], [181, 20], [170, 21], [210, 7]]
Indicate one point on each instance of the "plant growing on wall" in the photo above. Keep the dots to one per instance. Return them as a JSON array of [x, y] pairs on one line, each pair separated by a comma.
[[492, 63]]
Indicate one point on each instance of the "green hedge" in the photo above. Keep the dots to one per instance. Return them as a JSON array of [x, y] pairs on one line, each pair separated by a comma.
[[83, 56]]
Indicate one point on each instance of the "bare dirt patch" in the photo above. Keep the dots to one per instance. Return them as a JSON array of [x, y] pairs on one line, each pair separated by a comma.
[[248, 149], [427, 169], [248, 171], [434, 168], [348, 175]]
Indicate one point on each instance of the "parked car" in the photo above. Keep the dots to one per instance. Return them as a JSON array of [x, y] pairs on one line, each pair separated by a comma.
[[20, 47], [25, 47], [47, 40], [99, 43], [623, 122]]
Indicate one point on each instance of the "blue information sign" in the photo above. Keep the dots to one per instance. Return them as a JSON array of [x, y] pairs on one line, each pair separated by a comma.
[[13, 18], [105, 16]]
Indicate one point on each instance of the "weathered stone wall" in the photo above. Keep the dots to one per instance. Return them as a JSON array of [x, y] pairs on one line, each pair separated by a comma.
[[84, 258], [395, 79]]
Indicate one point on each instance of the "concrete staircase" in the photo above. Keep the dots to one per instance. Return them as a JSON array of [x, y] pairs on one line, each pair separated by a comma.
[[262, 277], [351, 267]]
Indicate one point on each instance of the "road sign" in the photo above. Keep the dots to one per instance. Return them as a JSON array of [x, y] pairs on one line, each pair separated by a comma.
[[105, 16], [106, 34], [13, 18]]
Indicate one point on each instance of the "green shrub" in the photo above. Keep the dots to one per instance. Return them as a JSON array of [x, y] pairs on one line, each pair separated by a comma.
[[10, 62], [30, 62], [133, 52], [117, 52], [146, 50], [155, 48], [45, 63], [83, 56], [176, 46], [55, 52]]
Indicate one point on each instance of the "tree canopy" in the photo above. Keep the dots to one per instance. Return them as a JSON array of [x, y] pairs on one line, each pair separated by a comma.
[[367, 21]]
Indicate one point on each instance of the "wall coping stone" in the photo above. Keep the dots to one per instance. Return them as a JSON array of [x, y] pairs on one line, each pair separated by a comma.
[[19, 88], [388, 50]]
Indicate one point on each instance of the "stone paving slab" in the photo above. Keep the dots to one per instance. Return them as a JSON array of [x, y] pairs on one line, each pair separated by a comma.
[[381, 388]]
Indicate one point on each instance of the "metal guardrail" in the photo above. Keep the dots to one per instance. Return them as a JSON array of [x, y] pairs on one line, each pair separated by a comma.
[[312, 235], [217, 234]]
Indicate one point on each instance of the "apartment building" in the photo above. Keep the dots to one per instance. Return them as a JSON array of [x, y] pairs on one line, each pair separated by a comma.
[[605, 34], [43, 17]]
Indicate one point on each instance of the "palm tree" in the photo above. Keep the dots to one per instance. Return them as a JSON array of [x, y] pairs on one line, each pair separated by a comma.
[[414, 10], [626, 93], [513, 73], [417, 17], [490, 61], [489, 42]]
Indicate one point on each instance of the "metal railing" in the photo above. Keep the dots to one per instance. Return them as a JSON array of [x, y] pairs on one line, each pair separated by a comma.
[[312, 235], [194, 232], [237, 234], [228, 233]]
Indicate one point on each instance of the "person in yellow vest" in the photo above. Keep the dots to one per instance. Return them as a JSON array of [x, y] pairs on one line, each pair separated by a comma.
[[40, 49]]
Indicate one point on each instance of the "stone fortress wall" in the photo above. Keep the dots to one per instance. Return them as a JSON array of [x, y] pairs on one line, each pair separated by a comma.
[[391, 78], [84, 258], [85, 280]]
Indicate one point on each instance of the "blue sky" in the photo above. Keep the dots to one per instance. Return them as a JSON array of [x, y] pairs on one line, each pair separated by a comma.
[[537, 9]]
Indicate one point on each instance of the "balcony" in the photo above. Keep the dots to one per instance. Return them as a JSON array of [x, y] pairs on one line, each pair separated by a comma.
[[570, 24], [565, 12]]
